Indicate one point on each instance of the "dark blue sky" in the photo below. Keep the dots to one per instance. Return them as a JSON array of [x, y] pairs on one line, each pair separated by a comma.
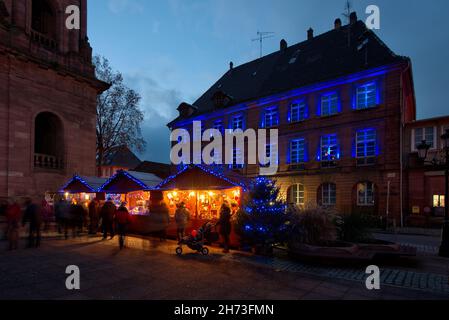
[[172, 51]]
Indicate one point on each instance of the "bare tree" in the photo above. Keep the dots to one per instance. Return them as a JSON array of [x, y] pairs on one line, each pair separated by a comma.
[[119, 116]]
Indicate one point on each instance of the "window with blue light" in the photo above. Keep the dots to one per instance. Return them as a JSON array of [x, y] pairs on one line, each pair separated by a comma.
[[329, 104], [269, 149], [298, 111], [270, 118], [366, 96], [328, 194], [297, 151], [218, 125], [329, 149], [236, 157], [237, 122], [366, 143]]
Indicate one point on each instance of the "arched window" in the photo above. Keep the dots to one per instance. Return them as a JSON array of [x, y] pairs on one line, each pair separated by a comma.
[[365, 194], [327, 194], [43, 19], [48, 141], [296, 194]]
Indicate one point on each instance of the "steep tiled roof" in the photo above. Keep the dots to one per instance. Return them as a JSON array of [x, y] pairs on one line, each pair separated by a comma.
[[122, 157], [339, 52]]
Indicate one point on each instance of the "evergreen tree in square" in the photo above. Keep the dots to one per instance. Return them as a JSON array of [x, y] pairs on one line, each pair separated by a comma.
[[262, 220]]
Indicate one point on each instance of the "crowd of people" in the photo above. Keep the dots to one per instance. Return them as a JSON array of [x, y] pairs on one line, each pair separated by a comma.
[[73, 219]]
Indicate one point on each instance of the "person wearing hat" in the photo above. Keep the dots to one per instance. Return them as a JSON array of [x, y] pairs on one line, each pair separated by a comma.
[[182, 217]]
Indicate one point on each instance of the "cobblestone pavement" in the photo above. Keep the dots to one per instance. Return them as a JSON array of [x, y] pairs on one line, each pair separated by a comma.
[[150, 270]]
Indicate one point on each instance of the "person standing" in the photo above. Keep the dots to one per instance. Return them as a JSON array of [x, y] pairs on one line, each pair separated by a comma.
[[225, 225], [107, 216], [182, 217], [93, 216], [13, 213], [61, 207], [122, 219], [33, 215]]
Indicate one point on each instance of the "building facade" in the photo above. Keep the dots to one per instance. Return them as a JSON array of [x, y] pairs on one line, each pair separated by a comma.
[[48, 96], [339, 100], [424, 196]]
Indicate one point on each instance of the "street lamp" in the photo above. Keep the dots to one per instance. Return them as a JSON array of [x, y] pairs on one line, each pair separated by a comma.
[[423, 149]]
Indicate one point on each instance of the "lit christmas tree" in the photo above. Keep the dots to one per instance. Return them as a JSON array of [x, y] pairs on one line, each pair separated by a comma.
[[261, 222]]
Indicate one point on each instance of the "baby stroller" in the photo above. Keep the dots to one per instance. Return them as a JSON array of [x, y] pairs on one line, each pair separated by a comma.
[[196, 241]]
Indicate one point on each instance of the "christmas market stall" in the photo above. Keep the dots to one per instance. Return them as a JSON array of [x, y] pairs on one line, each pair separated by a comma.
[[131, 187], [83, 189], [203, 192]]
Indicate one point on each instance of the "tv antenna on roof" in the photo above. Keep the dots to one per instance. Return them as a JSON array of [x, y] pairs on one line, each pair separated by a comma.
[[261, 36], [348, 10]]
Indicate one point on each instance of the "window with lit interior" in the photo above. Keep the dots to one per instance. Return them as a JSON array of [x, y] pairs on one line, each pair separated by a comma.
[[271, 118], [329, 150], [296, 194], [365, 194]]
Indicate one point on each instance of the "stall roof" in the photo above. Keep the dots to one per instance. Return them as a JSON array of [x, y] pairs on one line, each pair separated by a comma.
[[130, 181], [199, 177], [80, 184]]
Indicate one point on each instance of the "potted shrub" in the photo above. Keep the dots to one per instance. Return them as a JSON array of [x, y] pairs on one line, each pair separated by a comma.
[[354, 228], [312, 232]]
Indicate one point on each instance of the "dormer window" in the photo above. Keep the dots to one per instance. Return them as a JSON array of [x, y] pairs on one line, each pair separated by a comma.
[[186, 110], [221, 99]]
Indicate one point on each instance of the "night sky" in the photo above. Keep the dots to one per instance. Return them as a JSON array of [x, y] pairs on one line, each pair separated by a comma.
[[172, 51]]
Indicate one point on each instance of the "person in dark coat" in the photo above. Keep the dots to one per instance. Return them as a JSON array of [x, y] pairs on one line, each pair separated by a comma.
[[77, 213], [225, 225], [33, 216], [182, 217], [13, 214], [123, 219], [61, 214], [94, 216], [161, 214], [107, 215]]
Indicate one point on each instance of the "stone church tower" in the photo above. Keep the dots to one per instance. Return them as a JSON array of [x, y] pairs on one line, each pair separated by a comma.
[[48, 96]]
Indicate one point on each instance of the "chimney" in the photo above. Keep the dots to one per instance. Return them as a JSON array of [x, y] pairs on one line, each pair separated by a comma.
[[310, 34], [283, 45], [353, 17], [231, 65], [337, 24]]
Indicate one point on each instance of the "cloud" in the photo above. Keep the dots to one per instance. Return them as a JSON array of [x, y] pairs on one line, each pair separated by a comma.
[[159, 105], [130, 6]]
